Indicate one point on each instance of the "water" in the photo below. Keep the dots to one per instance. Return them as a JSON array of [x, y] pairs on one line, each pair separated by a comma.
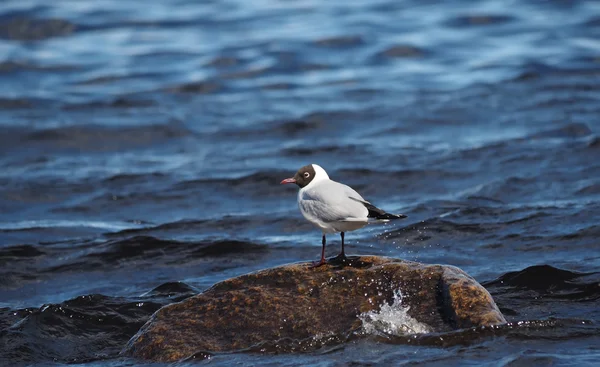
[[392, 320], [142, 147]]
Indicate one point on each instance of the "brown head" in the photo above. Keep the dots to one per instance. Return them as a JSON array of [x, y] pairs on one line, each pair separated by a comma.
[[306, 175]]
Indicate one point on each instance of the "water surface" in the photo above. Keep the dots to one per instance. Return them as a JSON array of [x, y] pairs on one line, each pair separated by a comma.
[[142, 147]]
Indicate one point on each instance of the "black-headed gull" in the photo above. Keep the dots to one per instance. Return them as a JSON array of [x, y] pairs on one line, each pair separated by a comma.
[[332, 206]]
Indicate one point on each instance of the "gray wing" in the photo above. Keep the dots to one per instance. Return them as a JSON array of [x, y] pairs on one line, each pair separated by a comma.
[[331, 201]]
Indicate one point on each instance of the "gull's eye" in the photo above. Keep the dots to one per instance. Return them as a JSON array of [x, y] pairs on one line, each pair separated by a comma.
[[306, 175]]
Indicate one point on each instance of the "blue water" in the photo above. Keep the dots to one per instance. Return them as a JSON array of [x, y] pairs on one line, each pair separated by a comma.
[[142, 146]]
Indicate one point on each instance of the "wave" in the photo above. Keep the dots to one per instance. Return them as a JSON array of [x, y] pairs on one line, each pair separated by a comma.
[[87, 328], [552, 282]]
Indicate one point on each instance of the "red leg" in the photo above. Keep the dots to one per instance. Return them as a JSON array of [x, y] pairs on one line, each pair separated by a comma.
[[322, 261]]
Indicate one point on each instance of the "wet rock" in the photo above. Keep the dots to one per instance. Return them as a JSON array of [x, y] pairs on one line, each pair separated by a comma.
[[296, 302]]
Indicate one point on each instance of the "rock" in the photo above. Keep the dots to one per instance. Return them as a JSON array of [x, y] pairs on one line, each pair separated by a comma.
[[294, 303]]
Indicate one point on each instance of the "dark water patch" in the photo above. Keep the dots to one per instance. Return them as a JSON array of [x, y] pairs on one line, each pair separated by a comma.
[[300, 126], [340, 42], [131, 196], [117, 252], [280, 86], [544, 75], [22, 28], [308, 151], [229, 248], [574, 130], [247, 73], [570, 88], [83, 329], [594, 21], [479, 198], [450, 234], [28, 232], [22, 264], [520, 330], [11, 253], [101, 138], [594, 143], [402, 51], [322, 345], [16, 103], [437, 225], [15, 279], [121, 102], [537, 216], [200, 87], [543, 290], [74, 266], [312, 66], [397, 176], [18, 265], [22, 65], [126, 178], [593, 189], [541, 278], [476, 20], [554, 329], [44, 191], [140, 23], [225, 61], [175, 291], [179, 226], [583, 233], [112, 78], [312, 124], [514, 188], [534, 71], [264, 183], [441, 233], [307, 124], [237, 227], [554, 101], [361, 93], [378, 183]]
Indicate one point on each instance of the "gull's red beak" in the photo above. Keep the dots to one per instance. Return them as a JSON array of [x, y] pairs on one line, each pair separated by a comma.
[[288, 180]]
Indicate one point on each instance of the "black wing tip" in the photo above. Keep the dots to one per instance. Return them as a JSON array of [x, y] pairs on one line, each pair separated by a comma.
[[389, 216], [375, 212]]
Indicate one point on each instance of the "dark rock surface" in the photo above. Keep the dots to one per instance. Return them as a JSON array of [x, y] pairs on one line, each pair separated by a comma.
[[296, 303]]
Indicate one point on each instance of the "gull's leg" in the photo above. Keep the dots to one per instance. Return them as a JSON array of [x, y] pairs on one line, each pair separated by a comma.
[[322, 261], [342, 255]]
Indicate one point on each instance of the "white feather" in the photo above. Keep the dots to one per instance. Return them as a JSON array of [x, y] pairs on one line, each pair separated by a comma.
[[330, 205]]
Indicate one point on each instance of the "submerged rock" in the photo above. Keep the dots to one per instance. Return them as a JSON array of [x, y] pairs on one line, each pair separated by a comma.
[[294, 303]]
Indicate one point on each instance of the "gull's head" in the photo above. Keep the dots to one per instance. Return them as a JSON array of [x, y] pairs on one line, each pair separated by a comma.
[[307, 175]]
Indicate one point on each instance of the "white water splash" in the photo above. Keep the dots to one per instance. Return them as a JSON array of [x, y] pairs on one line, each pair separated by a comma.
[[392, 320]]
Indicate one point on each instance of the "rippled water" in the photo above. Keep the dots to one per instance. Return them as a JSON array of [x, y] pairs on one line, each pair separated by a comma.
[[142, 147]]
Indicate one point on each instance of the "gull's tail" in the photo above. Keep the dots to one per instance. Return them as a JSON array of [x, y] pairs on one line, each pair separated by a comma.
[[376, 213], [387, 216]]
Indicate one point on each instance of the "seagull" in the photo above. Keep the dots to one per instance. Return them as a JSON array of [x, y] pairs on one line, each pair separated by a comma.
[[332, 206]]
